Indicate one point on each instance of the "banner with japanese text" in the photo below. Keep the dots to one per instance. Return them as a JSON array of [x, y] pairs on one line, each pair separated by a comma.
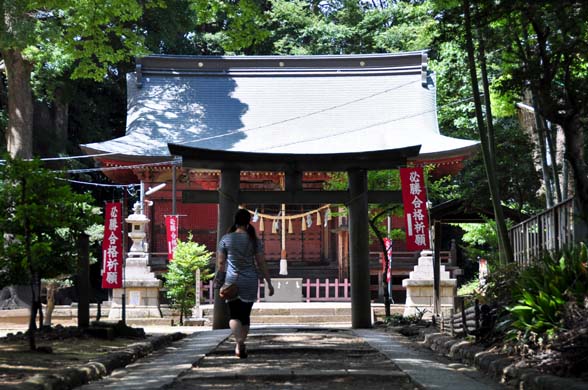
[[171, 227], [416, 217], [112, 250]]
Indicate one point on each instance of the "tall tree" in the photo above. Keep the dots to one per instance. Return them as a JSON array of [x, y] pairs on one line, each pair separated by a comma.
[[87, 35], [545, 45], [40, 225]]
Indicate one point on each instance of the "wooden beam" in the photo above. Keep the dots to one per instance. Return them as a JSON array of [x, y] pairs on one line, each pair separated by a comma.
[[288, 162], [296, 197]]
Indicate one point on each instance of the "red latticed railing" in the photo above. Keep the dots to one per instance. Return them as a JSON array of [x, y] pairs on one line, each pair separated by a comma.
[[549, 231]]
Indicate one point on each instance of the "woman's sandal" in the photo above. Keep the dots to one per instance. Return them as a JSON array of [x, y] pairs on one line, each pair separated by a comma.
[[241, 351]]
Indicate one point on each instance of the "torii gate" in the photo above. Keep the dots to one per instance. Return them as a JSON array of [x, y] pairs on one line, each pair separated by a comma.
[[229, 197], [290, 114]]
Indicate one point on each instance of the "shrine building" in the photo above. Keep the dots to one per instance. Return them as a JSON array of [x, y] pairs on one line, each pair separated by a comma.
[[327, 111]]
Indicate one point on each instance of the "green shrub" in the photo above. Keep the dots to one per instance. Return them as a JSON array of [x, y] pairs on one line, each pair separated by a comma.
[[543, 290], [180, 278]]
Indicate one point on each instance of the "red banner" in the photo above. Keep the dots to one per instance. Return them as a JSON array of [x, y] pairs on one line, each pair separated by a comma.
[[416, 217], [172, 228], [388, 243], [112, 256]]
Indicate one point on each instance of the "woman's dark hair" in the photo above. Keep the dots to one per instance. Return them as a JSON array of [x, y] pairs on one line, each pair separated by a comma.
[[243, 218]]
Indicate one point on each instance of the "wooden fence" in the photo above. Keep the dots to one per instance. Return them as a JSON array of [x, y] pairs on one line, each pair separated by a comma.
[[548, 231], [474, 321]]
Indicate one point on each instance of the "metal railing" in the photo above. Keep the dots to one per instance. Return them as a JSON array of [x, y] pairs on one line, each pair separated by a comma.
[[548, 231]]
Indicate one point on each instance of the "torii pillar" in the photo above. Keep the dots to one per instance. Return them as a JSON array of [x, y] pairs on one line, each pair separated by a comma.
[[228, 203], [359, 249]]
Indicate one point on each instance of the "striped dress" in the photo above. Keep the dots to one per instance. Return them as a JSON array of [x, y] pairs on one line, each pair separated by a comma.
[[241, 267]]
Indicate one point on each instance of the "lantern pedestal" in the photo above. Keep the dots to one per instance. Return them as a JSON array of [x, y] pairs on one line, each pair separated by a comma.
[[141, 285], [420, 290]]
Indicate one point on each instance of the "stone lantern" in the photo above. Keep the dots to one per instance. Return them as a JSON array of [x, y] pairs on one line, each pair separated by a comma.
[[141, 285], [138, 221]]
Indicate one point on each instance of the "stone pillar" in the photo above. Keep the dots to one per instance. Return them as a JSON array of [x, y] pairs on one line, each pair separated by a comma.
[[141, 285], [361, 316], [227, 206]]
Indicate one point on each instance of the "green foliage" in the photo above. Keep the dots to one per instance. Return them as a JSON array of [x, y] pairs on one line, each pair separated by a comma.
[[41, 222], [543, 290], [500, 282], [180, 278], [88, 35], [518, 179], [338, 27], [469, 288], [234, 26], [396, 319], [481, 240]]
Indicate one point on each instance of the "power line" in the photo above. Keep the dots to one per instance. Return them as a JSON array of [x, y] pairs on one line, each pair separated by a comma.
[[67, 157], [364, 127], [76, 157], [99, 184]]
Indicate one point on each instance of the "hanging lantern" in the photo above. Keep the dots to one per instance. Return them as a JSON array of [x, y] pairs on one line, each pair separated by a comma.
[[261, 227], [290, 228]]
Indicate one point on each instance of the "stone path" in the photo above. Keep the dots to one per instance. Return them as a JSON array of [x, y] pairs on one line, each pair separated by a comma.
[[164, 366], [293, 358], [296, 359], [425, 367]]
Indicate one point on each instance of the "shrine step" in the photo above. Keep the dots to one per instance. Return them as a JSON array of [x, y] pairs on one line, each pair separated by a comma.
[[263, 314], [301, 319]]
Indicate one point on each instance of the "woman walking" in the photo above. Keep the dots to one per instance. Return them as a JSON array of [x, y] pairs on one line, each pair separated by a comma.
[[239, 257]]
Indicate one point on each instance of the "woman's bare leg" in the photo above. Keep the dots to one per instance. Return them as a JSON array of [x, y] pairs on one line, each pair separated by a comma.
[[237, 329]]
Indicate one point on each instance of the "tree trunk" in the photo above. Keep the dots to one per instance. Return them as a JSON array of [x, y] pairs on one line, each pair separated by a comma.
[[505, 255], [182, 308], [19, 133], [541, 135], [551, 135], [574, 140], [39, 303], [387, 265], [32, 317], [61, 120], [50, 304]]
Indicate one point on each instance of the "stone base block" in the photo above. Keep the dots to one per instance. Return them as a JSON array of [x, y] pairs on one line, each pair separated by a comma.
[[134, 312], [286, 290]]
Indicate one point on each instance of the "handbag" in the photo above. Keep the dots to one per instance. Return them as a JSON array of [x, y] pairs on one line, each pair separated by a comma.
[[228, 291]]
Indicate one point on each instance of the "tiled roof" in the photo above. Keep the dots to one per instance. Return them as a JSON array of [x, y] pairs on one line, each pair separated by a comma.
[[283, 104]]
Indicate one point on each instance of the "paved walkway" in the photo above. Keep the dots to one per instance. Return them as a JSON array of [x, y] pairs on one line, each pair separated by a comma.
[[295, 357]]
